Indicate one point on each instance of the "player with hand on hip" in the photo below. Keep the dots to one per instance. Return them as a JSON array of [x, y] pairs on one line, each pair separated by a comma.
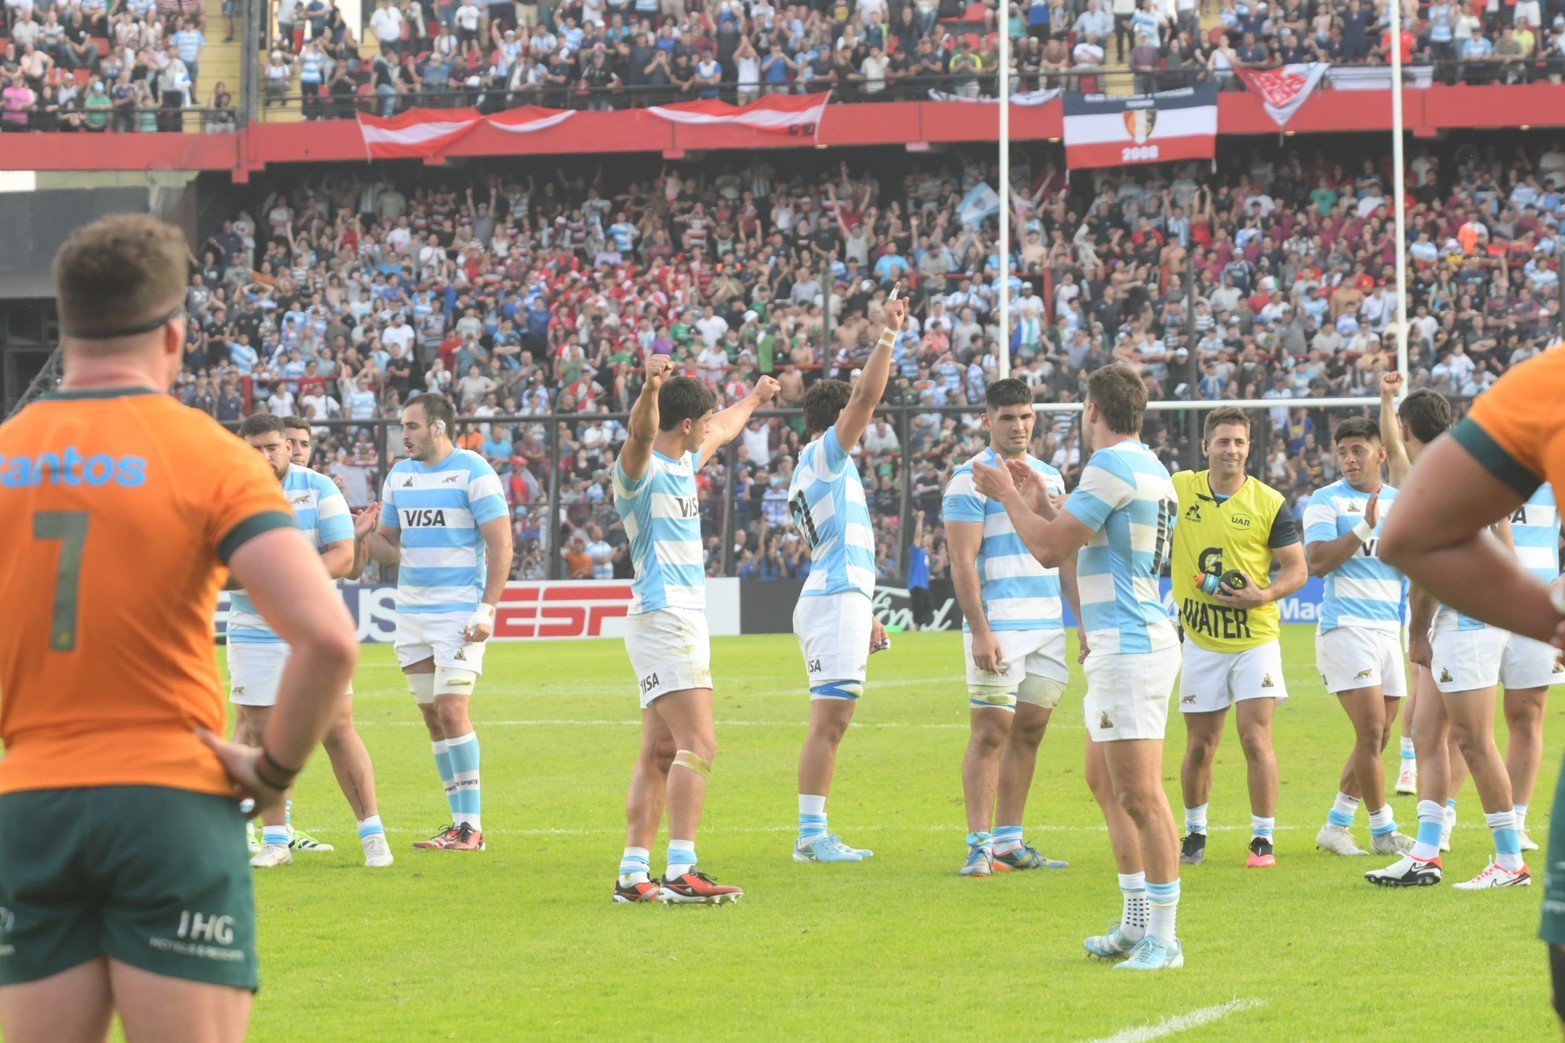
[[444, 523], [834, 620], [1013, 635], [672, 433], [1232, 528], [1119, 524], [256, 656]]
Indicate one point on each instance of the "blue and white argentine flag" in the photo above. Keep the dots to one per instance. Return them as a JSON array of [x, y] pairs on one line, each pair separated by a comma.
[[1109, 130]]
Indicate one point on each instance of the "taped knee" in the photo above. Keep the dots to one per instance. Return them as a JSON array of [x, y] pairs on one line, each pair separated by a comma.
[[422, 687], [991, 697], [692, 760], [1042, 692], [837, 690], [453, 682]]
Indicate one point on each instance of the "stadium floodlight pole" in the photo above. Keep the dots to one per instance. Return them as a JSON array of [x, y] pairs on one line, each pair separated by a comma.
[[1004, 83], [1399, 191]]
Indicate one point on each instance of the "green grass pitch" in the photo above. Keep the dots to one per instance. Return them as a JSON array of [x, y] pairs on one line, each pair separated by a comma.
[[522, 942]]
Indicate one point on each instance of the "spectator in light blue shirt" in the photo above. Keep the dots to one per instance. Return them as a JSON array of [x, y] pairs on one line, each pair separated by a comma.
[[243, 356], [189, 42]]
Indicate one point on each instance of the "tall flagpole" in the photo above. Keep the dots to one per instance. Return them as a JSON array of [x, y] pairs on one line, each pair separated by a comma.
[[1399, 190], [1005, 188]]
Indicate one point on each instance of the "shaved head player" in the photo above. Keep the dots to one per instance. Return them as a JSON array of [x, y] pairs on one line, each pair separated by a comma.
[[119, 510]]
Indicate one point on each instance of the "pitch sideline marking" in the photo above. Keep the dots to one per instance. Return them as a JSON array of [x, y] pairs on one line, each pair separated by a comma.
[[619, 830], [1181, 1022]]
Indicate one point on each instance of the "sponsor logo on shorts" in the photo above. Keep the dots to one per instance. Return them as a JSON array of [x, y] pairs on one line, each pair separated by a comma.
[[1445, 676], [1267, 682], [1188, 700], [648, 683], [205, 936], [239, 689], [1104, 722], [461, 655], [1559, 667], [1364, 675], [813, 666], [7, 923], [1324, 681]]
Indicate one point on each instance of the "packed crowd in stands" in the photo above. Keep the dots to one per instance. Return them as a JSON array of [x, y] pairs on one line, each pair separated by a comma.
[[621, 53], [340, 295], [101, 66]]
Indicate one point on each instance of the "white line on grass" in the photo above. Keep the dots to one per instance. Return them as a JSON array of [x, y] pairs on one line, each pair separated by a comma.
[[637, 724], [1181, 1022]]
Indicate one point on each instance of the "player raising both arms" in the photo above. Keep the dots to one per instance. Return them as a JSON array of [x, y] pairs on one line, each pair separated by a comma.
[[1121, 519], [1356, 644], [256, 656], [119, 511], [1511, 442], [444, 523], [834, 621], [1013, 636], [673, 432], [1462, 656], [1232, 527]]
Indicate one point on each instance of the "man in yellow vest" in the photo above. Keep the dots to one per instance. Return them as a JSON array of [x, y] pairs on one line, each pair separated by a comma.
[[1232, 527]]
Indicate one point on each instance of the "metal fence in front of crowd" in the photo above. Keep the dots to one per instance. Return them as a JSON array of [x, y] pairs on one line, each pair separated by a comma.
[[556, 469]]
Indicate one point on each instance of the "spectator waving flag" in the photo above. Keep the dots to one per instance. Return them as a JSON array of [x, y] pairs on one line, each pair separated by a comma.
[[797, 115], [1105, 130], [1284, 90]]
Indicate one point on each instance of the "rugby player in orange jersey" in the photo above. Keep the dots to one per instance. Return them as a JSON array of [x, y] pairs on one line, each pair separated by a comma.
[[119, 510]]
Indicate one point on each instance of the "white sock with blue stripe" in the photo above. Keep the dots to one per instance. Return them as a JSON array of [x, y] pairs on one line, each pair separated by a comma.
[[369, 827], [1343, 810], [635, 866], [1407, 749], [1261, 826], [1382, 822], [275, 835], [1507, 845], [812, 818], [1431, 822], [1136, 914], [1007, 839], [463, 751], [1195, 819], [443, 765], [1164, 901], [681, 858]]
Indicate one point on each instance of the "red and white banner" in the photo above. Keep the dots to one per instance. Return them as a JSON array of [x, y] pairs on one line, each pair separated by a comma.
[[1284, 90], [424, 133], [797, 115], [1104, 130], [527, 119]]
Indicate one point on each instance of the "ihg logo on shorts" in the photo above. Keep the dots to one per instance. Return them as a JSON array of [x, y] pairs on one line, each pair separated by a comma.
[[202, 927]]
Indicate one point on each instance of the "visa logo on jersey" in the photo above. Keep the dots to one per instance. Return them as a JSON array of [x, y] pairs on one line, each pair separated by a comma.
[[69, 467], [422, 517]]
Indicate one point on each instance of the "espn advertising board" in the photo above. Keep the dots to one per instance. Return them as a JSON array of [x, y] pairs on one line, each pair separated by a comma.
[[532, 611]]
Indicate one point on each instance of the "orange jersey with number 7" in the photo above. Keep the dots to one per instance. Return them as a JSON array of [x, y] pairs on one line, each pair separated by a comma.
[[118, 510]]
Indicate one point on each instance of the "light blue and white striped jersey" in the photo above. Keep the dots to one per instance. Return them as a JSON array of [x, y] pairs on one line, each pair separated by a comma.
[[1535, 529], [1364, 591], [663, 520], [826, 499], [321, 513], [1017, 590], [1128, 501], [439, 509]]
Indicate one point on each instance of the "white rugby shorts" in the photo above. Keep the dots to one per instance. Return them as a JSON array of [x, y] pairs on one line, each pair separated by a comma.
[[669, 651], [1467, 660], [254, 671], [1211, 681], [438, 636], [1127, 694], [1358, 657], [1530, 664], [833, 632], [1038, 655]]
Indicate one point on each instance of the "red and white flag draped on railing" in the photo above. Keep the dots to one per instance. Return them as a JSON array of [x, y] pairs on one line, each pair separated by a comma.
[[796, 115], [1284, 90], [424, 133]]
